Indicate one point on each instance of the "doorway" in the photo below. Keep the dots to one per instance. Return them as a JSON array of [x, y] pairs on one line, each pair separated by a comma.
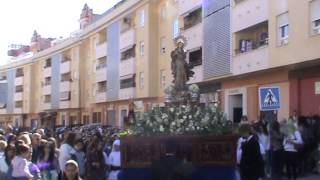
[[236, 107]]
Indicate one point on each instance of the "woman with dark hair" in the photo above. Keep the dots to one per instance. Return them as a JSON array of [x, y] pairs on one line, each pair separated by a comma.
[[71, 171], [276, 150], [66, 149], [95, 165], [46, 162], [56, 152], [12, 139], [5, 161]]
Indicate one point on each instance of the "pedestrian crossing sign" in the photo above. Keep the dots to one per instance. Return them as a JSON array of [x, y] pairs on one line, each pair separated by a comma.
[[269, 98]]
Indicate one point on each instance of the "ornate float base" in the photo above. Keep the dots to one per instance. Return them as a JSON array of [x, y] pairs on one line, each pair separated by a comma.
[[201, 151]]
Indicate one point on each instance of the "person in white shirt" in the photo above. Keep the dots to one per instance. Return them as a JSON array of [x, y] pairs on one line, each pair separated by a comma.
[[290, 143], [66, 150], [20, 164], [114, 161]]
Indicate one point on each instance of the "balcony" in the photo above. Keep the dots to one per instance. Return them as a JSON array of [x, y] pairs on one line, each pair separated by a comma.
[[47, 72], [127, 67], [193, 36], [127, 39], [127, 93], [3, 111], [18, 110], [18, 96], [247, 13], [101, 74], [198, 75], [101, 50], [64, 104], [251, 61], [18, 81], [46, 90], [46, 106], [101, 97], [65, 67], [65, 86], [186, 6]]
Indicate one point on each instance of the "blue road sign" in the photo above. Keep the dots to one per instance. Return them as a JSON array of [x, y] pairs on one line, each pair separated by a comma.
[[269, 98]]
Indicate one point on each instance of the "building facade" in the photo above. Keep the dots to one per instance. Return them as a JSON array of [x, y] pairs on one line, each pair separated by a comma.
[[119, 62]]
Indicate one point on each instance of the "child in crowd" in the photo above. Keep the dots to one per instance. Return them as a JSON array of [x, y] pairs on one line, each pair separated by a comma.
[[20, 168]]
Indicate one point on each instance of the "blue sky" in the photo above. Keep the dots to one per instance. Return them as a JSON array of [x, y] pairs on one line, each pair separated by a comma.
[[51, 18]]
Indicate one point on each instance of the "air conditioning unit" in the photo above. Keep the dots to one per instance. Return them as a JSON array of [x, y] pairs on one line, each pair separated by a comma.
[[316, 30], [284, 41]]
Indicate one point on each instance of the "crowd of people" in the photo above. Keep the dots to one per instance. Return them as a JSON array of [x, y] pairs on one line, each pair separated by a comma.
[[78, 153], [279, 150]]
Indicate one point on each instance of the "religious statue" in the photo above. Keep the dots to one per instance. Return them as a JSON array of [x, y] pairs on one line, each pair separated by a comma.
[[181, 70]]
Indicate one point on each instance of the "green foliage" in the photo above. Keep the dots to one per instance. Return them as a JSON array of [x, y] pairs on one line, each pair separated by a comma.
[[184, 119]]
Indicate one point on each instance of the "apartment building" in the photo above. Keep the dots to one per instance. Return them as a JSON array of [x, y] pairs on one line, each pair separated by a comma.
[[119, 62], [274, 43]]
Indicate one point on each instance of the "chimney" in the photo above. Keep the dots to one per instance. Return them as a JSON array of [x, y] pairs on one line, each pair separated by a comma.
[[38, 43], [86, 16]]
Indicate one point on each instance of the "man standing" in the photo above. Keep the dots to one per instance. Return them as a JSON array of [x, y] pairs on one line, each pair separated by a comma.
[[251, 161], [36, 138]]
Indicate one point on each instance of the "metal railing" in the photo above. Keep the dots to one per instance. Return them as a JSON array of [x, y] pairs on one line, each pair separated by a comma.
[[252, 46]]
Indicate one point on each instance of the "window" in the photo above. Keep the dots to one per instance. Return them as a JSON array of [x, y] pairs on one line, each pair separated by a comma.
[[162, 45], [127, 83], [96, 117], [19, 104], [19, 72], [142, 18], [142, 48], [85, 119], [47, 63], [162, 78], [193, 19], [101, 63], [102, 87], [47, 98], [283, 29], [195, 57], [141, 77], [19, 89], [315, 16], [66, 77], [65, 96], [47, 81], [63, 119], [128, 53], [176, 28]]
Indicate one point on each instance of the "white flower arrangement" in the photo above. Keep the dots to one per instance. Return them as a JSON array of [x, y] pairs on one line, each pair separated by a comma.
[[184, 119]]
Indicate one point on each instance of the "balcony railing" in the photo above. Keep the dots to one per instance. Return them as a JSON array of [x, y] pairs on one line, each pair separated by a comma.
[[127, 39], [252, 45], [186, 6], [102, 89], [251, 61], [65, 67], [101, 50], [127, 67], [101, 66], [127, 93], [18, 81]]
